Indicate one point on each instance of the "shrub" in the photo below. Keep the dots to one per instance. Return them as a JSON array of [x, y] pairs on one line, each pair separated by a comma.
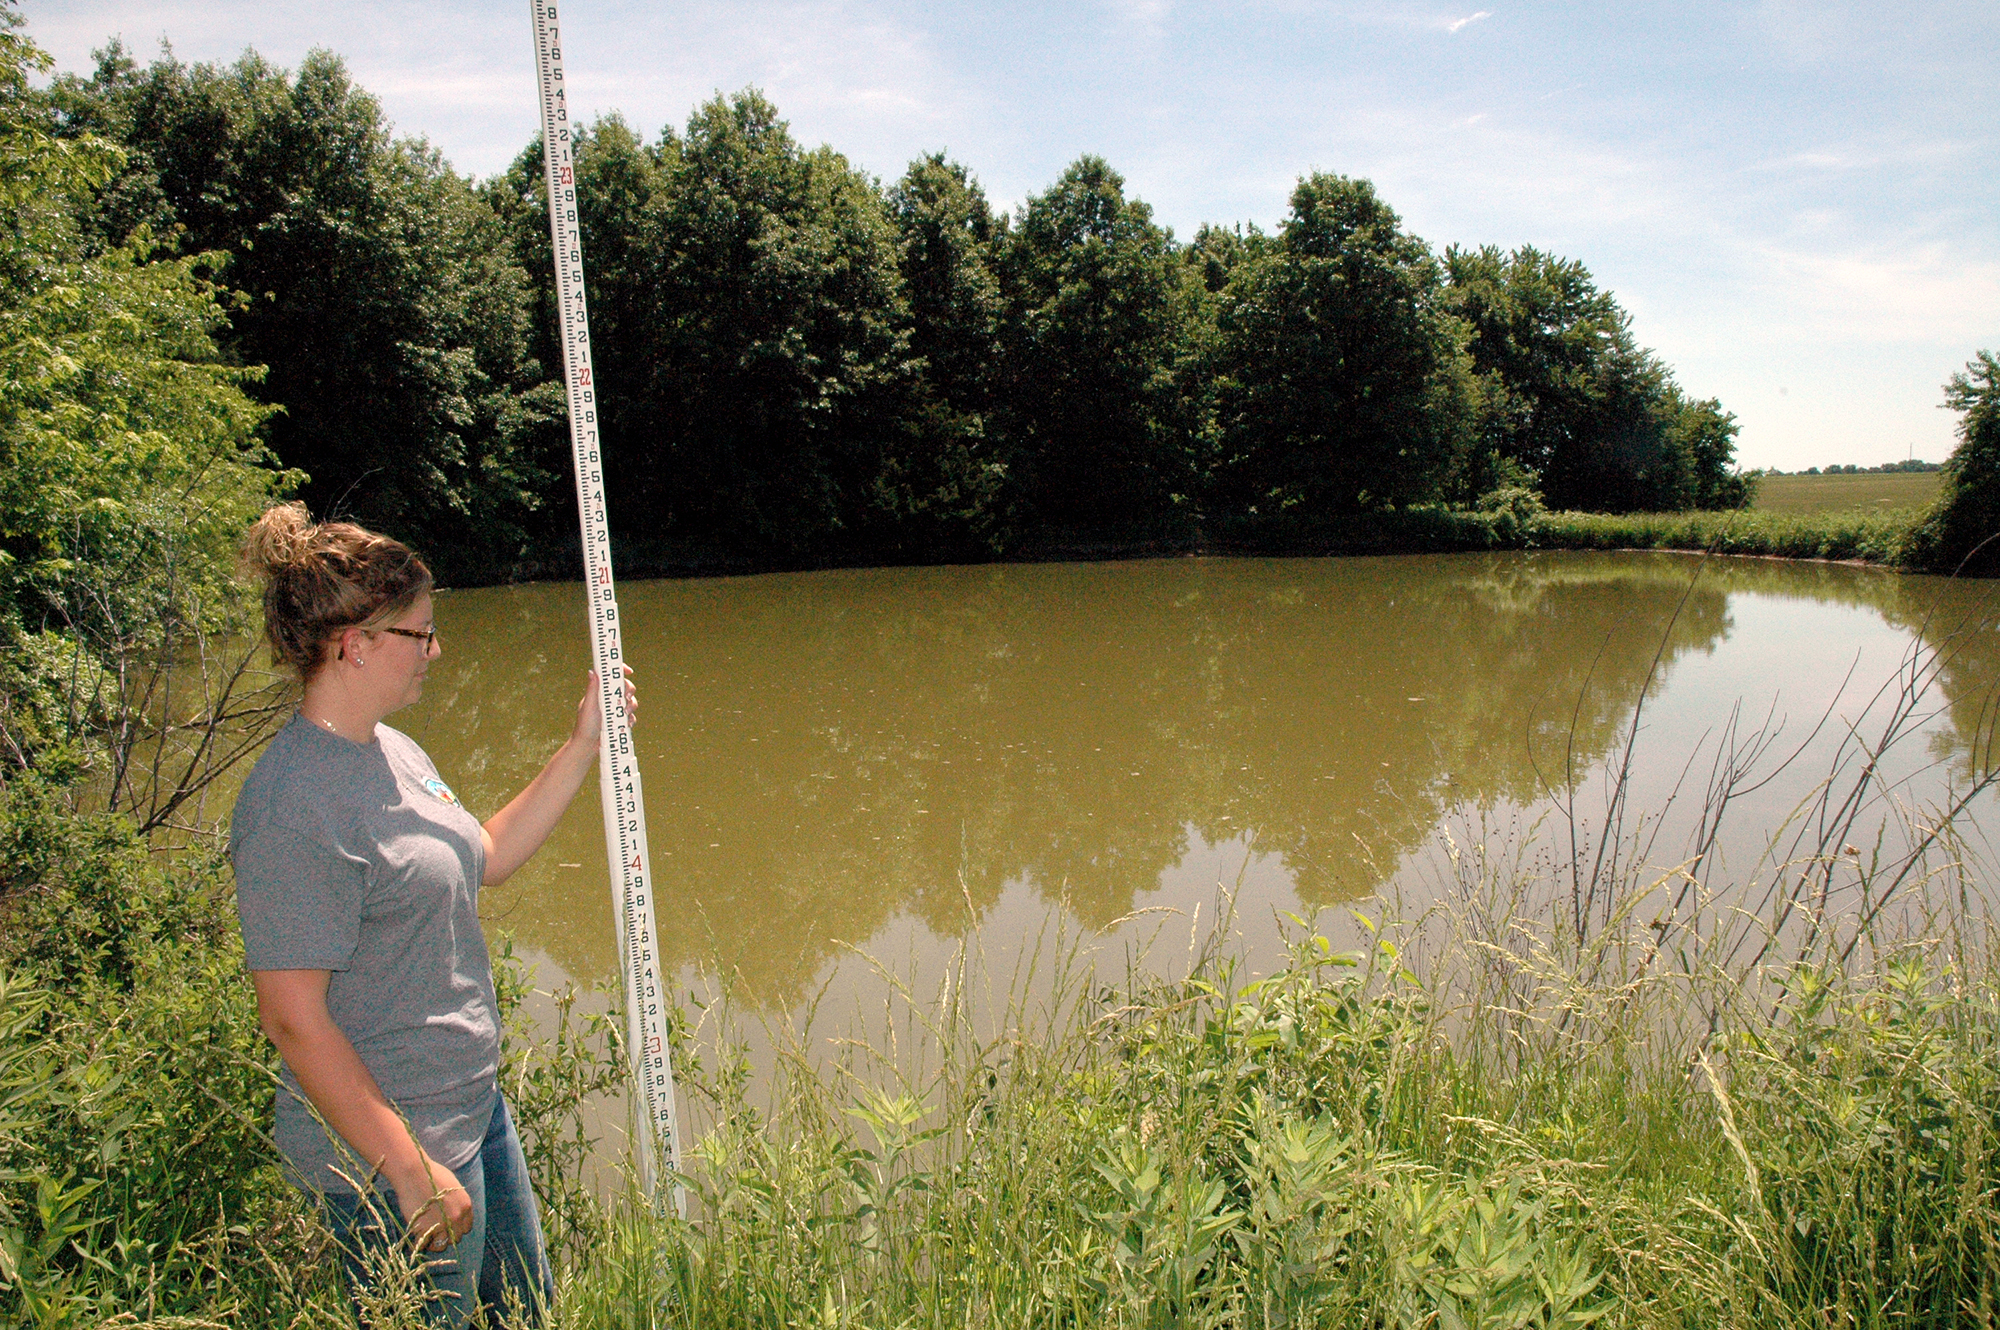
[[135, 1173], [1957, 533]]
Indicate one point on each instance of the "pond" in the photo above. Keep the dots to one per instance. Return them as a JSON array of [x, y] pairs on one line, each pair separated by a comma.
[[849, 772]]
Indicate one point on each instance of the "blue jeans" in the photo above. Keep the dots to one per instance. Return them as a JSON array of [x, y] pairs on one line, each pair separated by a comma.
[[502, 1251]]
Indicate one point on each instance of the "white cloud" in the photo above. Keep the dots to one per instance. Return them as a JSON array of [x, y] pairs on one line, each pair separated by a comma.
[[445, 90], [1493, 176], [1456, 24], [1875, 152], [1926, 293], [887, 99], [1862, 338]]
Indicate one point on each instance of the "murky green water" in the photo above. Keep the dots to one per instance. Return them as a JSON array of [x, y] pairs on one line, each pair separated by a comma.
[[880, 759]]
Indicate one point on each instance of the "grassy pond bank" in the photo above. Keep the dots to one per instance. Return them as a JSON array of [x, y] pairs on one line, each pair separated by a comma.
[[1615, 1035], [1809, 525]]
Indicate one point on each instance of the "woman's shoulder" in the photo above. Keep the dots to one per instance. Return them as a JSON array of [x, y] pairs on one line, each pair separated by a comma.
[[402, 750], [304, 778], [409, 760]]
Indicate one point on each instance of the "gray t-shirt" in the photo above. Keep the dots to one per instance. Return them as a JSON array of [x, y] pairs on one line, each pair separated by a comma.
[[356, 858]]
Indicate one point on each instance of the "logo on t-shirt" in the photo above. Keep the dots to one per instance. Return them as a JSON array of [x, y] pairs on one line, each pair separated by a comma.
[[440, 790]]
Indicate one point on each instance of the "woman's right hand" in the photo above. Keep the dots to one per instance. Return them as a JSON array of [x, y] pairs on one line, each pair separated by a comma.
[[291, 1005], [438, 1210]]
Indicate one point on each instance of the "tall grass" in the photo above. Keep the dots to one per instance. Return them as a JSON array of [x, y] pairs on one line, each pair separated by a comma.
[[1350, 1142], [1872, 537], [1868, 536], [136, 1176]]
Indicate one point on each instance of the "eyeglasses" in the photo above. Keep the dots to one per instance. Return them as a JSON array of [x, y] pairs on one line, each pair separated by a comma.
[[428, 636]]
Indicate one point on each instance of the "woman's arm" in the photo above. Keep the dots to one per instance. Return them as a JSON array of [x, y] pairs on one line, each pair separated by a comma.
[[291, 1006], [513, 834]]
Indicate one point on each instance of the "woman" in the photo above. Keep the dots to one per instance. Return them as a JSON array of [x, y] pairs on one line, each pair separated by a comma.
[[358, 875]]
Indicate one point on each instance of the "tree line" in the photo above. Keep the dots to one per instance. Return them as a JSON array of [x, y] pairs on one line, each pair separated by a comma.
[[801, 364], [1909, 466]]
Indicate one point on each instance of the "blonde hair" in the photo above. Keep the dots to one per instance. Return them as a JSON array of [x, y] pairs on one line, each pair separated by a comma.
[[321, 579]]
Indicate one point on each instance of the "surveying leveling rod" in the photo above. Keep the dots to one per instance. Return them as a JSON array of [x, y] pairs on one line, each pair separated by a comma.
[[617, 764]]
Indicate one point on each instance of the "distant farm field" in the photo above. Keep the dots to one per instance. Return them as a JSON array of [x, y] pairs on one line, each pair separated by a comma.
[[1876, 492]]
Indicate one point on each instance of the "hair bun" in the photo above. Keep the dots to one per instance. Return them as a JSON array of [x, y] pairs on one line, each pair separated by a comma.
[[282, 538], [322, 578]]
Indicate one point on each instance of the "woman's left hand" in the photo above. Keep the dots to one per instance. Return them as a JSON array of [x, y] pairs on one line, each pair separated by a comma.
[[518, 830], [588, 714]]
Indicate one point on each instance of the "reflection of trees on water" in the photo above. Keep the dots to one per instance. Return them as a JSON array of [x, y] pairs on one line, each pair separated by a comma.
[[1953, 623], [825, 752], [1958, 623]]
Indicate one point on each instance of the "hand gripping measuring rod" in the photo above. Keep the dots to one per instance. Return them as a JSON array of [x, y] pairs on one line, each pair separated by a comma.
[[617, 764]]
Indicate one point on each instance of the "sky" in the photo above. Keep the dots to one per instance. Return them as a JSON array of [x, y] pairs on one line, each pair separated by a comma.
[[1799, 203]]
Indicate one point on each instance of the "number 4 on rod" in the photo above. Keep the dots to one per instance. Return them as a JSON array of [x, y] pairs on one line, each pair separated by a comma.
[[617, 764]]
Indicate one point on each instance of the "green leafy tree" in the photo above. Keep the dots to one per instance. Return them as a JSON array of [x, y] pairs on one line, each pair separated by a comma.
[[129, 461], [1538, 327], [1571, 398], [618, 179], [781, 359], [1959, 532], [1704, 435], [755, 338], [1208, 262], [1096, 341], [948, 261], [379, 289], [1341, 385], [1216, 252]]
